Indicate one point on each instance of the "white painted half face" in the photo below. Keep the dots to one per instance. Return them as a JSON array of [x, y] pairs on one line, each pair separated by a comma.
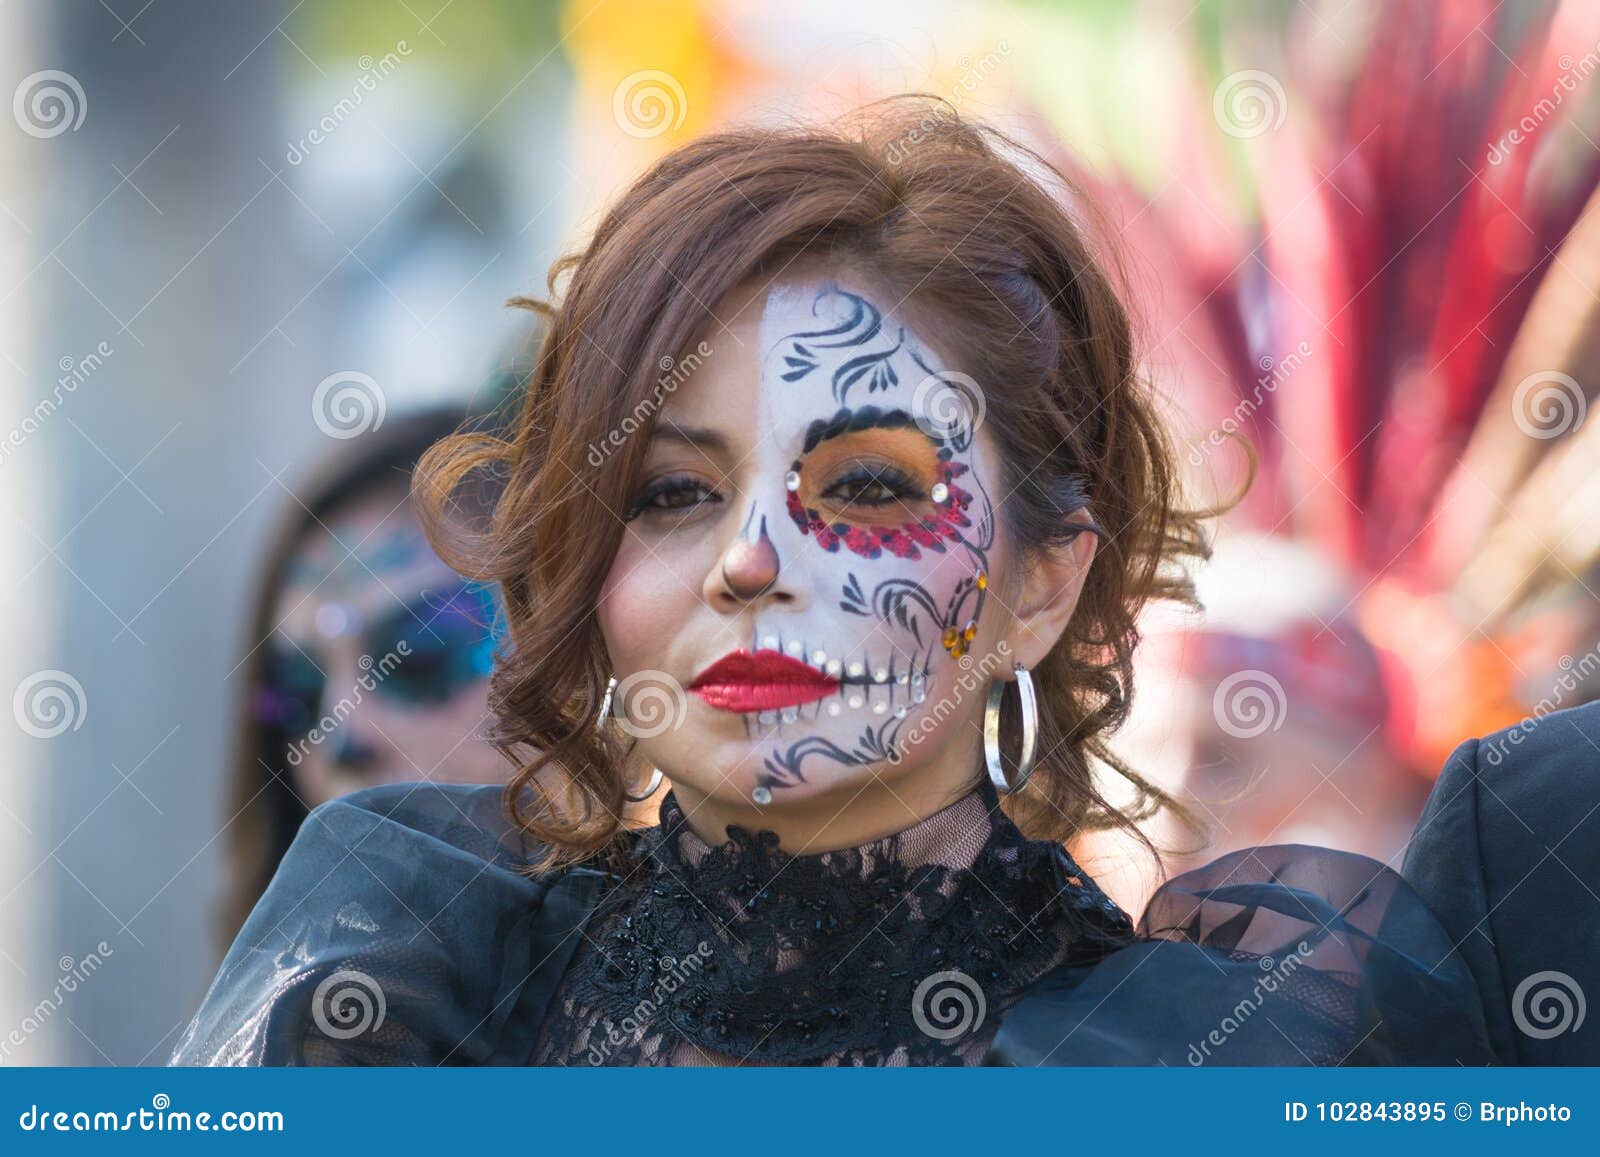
[[861, 459]]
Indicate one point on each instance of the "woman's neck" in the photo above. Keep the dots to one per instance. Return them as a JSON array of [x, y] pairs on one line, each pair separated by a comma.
[[855, 813]]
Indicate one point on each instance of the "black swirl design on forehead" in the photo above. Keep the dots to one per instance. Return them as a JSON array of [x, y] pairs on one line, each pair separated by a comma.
[[862, 328]]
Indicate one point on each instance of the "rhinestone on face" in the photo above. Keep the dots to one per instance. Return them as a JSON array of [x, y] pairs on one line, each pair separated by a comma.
[[790, 715], [880, 676], [879, 707], [855, 670], [901, 678], [791, 480], [899, 712], [762, 795], [770, 642], [820, 658], [855, 701], [834, 667], [939, 492], [793, 647], [833, 708]]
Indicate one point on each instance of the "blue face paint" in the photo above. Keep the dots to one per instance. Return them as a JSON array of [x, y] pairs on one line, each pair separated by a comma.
[[423, 654]]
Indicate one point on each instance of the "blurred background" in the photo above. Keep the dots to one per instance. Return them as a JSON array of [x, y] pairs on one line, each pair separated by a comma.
[[253, 258]]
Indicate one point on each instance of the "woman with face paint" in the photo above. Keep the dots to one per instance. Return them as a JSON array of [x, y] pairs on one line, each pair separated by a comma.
[[825, 527], [366, 660]]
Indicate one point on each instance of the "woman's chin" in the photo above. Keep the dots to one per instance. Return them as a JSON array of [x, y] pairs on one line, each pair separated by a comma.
[[751, 769]]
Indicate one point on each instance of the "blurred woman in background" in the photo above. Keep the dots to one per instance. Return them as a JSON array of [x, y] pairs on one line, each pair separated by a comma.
[[367, 659]]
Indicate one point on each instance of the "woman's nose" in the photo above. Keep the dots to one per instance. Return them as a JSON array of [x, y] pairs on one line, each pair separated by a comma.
[[748, 569], [352, 751]]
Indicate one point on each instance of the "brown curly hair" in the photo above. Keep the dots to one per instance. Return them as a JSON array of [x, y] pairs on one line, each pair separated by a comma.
[[942, 213]]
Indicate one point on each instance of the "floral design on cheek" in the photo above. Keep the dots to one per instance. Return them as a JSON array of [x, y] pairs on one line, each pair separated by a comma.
[[896, 479]]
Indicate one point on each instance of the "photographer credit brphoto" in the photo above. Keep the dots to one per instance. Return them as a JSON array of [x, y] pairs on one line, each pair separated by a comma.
[[718, 534]]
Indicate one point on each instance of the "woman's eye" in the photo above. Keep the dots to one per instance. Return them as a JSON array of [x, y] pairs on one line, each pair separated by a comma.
[[673, 494], [873, 487]]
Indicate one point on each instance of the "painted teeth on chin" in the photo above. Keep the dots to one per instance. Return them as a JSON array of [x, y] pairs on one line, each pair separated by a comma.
[[857, 682]]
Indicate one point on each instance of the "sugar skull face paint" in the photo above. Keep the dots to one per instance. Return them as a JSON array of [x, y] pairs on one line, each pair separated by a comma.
[[810, 556]]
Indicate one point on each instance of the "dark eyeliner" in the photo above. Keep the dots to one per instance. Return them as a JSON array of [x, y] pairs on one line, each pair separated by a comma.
[[900, 485], [667, 487]]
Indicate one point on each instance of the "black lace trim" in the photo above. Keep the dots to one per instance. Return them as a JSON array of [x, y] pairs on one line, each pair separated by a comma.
[[758, 956]]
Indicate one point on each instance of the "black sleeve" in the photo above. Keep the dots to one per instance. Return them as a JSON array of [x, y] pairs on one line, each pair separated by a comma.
[[1282, 955], [1507, 855], [397, 931]]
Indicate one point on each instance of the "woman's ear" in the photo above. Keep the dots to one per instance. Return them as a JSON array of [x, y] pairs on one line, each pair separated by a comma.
[[1048, 596]]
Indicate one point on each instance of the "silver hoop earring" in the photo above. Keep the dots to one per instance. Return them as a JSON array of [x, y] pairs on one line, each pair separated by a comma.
[[1030, 732], [605, 704], [655, 782]]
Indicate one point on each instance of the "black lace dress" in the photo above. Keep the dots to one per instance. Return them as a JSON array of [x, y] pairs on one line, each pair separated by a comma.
[[904, 951], [404, 928]]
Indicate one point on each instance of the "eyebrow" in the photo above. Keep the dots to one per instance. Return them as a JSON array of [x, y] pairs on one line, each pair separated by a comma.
[[848, 421], [702, 437]]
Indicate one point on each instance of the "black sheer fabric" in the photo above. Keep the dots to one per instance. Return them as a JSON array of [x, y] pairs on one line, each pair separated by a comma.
[[904, 951], [1282, 955], [397, 931], [402, 928]]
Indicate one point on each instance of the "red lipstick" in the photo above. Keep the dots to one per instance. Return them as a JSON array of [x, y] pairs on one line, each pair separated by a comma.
[[761, 681]]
